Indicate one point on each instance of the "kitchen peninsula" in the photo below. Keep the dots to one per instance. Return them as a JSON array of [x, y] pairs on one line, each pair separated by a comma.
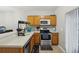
[[14, 43]]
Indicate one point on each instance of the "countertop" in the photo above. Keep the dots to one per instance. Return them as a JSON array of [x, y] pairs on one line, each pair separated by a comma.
[[50, 31], [12, 40], [15, 41]]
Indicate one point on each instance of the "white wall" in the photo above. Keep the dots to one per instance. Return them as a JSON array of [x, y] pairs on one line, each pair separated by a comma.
[[9, 17], [38, 12], [60, 12]]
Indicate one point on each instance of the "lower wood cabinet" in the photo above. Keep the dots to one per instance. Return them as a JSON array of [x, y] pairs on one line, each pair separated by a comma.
[[55, 38], [37, 38], [11, 50], [31, 43]]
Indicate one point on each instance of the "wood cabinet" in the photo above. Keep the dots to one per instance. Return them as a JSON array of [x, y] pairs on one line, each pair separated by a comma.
[[31, 20], [53, 20], [31, 43], [37, 38], [55, 38], [11, 50], [34, 20]]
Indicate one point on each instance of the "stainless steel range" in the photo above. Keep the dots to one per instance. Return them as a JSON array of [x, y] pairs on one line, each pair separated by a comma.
[[45, 40]]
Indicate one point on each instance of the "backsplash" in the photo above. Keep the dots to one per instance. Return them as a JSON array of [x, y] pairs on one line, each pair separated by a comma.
[[51, 28]]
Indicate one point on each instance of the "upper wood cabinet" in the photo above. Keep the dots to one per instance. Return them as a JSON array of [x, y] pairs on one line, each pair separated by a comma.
[[30, 19], [37, 20], [53, 20], [34, 20]]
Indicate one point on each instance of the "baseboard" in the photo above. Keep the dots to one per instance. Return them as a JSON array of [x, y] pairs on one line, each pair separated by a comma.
[[61, 48]]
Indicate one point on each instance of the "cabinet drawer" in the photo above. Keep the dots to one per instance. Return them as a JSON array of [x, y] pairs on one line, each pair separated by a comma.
[[56, 34]]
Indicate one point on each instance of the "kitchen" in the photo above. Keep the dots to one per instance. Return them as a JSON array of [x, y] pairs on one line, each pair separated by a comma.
[[34, 29]]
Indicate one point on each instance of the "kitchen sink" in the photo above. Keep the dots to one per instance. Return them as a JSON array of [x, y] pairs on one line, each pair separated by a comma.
[[6, 31]]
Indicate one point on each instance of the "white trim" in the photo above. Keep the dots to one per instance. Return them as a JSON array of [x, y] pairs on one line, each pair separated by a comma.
[[61, 48]]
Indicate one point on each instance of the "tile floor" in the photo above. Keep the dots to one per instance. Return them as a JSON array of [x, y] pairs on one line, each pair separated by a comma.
[[56, 49]]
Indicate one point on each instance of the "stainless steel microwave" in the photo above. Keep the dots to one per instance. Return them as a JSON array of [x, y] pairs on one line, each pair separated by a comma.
[[45, 22]]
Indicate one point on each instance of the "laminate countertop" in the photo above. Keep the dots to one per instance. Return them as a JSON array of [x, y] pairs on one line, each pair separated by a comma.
[[15, 41]]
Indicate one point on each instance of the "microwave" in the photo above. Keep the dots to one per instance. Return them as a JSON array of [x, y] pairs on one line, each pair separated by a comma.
[[45, 22]]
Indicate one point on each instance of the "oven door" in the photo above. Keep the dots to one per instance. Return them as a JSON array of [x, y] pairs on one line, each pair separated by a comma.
[[45, 39]]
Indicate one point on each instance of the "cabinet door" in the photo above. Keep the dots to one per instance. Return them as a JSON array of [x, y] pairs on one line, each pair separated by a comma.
[[31, 20], [55, 38], [36, 20], [31, 43], [37, 38], [53, 20]]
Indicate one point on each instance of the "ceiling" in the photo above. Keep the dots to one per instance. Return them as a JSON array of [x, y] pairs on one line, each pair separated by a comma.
[[36, 8]]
